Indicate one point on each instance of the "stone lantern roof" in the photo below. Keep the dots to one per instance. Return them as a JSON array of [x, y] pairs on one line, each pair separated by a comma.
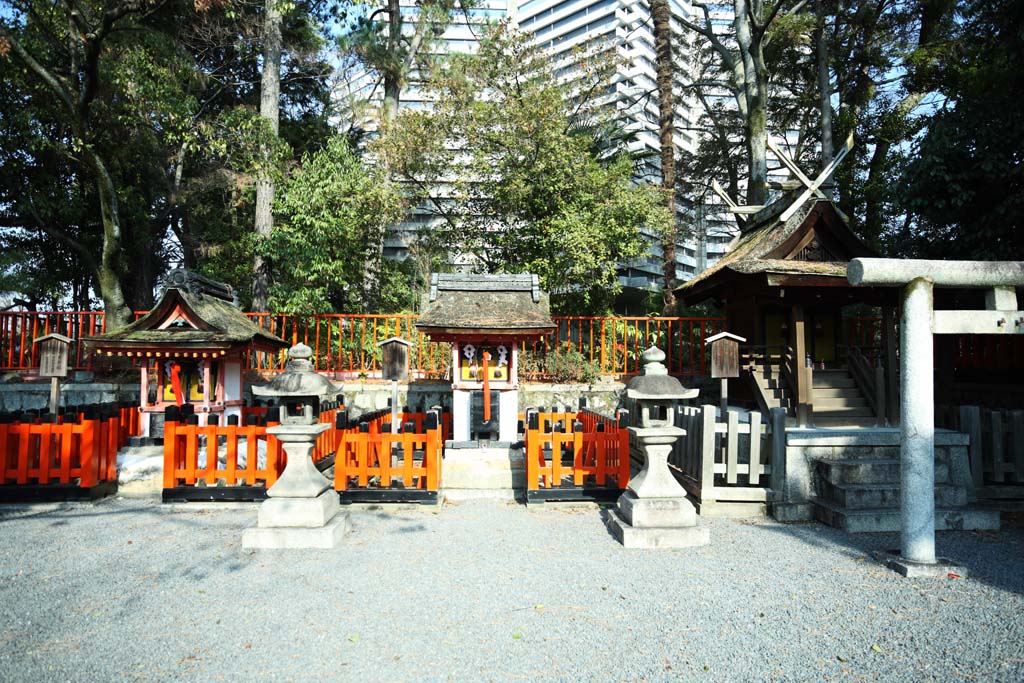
[[298, 379], [655, 384]]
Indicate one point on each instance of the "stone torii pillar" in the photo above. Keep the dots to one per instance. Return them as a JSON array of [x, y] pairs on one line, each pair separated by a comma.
[[918, 323]]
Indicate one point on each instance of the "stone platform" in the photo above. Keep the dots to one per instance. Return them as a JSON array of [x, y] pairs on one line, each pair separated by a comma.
[[483, 470]]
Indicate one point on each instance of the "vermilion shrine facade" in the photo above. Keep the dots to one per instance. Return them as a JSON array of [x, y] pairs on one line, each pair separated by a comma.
[[192, 346]]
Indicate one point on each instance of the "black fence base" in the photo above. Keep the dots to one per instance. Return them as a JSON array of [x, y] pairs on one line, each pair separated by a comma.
[[568, 494], [349, 496], [49, 493], [222, 494]]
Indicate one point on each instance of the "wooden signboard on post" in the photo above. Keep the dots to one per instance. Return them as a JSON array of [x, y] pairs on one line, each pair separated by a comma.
[[725, 360], [53, 363], [394, 365]]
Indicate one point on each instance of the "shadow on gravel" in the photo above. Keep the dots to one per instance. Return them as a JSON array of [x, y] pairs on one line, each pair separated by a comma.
[[995, 558]]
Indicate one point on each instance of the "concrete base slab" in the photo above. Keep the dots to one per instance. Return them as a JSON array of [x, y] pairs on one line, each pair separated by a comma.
[[299, 512], [940, 569], [458, 495], [732, 510], [656, 537], [328, 536], [656, 512]]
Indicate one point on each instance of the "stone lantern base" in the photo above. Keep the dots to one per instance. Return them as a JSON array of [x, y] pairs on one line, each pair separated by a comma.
[[298, 523], [302, 510], [656, 523], [654, 511]]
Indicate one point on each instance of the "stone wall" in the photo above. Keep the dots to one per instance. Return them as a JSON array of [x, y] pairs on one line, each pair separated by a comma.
[[36, 395], [362, 397]]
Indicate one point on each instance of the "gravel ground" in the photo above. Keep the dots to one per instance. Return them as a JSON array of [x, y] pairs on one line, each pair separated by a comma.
[[489, 591]]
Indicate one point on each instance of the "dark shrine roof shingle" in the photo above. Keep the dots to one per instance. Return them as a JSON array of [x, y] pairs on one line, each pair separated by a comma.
[[463, 303], [763, 234], [221, 324]]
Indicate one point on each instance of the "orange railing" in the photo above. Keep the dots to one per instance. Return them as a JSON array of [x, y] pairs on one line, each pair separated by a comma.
[[75, 448], [575, 455], [373, 463], [347, 344], [251, 461]]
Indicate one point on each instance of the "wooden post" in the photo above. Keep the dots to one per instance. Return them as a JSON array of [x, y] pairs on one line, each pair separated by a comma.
[[970, 424], [725, 396], [707, 455], [778, 454], [880, 409], [394, 406], [54, 394], [799, 346], [892, 376]]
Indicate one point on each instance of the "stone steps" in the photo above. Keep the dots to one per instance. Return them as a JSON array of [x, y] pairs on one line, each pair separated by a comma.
[[483, 472], [867, 496], [873, 520], [838, 422], [826, 403], [870, 471]]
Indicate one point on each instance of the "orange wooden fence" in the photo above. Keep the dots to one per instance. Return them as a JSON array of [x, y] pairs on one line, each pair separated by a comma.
[[569, 456], [70, 455], [374, 464], [346, 344], [252, 459]]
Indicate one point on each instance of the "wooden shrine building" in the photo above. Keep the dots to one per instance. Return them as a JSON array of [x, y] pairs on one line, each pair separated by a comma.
[[485, 317], [783, 287], [192, 346]]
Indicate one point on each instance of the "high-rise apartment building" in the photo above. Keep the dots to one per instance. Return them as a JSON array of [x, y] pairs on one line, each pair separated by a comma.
[[562, 26]]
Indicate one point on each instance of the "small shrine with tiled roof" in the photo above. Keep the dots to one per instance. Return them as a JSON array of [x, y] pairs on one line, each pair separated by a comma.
[[192, 346]]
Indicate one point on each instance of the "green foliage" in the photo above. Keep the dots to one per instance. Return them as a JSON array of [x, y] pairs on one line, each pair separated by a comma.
[[966, 184], [327, 212], [174, 119], [560, 365], [518, 189]]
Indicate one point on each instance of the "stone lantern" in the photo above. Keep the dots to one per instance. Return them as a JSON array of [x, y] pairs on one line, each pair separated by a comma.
[[301, 510], [654, 512]]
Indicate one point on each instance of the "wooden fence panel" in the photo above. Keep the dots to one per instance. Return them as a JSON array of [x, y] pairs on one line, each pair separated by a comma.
[[74, 449], [720, 461], [568, 455], [369, 457], [995, 448]]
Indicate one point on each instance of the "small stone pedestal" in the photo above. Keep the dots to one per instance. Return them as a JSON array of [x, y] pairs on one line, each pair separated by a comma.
[[654, 512], [301, 511]]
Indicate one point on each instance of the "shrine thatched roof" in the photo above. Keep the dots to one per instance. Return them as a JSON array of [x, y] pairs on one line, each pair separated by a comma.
[[461, 304], [768, 245], [186, 317]]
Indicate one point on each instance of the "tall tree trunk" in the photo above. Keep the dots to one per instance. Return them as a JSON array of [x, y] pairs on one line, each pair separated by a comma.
[[755, 93], [661, 17], [109, 268], [393, 75], [270, 96], [824, 91]]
